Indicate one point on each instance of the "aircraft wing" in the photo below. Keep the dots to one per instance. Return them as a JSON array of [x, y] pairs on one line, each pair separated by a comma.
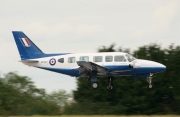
[[91, 68]]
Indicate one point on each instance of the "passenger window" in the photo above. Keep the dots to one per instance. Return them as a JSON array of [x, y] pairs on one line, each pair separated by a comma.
[[71, 60], [84, 58], [119, 58], [97, 59], [61, 60], [109, 58]]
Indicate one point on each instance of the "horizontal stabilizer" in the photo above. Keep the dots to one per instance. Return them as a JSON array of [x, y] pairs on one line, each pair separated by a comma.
[[29, 61]]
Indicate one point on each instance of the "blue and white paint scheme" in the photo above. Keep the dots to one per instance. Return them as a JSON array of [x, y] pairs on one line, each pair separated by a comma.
[[89, 65]]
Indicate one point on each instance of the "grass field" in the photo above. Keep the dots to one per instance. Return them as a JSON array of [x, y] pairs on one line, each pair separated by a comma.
[[101, 116]]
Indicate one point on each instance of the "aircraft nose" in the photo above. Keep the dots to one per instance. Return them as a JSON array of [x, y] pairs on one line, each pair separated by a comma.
[[162, 67], [158, 67], [152, 66]]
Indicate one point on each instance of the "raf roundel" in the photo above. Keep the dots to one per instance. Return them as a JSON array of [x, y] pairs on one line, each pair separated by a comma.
[[52, 61]]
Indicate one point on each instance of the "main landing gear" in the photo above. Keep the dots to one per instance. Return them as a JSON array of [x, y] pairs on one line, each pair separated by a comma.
[[94, 83], [110, 84], [149, 80]]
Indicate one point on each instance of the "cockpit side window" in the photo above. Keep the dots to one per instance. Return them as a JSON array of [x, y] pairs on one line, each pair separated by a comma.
[[119, 58], [130, 58], [61, 60]]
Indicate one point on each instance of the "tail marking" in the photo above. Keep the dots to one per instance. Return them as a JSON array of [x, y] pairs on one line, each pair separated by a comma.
[[25, 42]]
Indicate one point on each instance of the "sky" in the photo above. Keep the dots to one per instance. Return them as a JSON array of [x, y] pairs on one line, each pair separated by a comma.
[[63, 26]]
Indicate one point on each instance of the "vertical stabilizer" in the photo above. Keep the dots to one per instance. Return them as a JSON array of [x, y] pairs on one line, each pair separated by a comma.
[[27, 49]]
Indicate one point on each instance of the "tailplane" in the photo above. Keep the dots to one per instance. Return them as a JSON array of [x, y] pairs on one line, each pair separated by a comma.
[[27, 49]]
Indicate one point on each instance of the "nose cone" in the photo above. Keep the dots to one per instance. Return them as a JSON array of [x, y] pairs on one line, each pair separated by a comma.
[[161, 67], [153, 67]]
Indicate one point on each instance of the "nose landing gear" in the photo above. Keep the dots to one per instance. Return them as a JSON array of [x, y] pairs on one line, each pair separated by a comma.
[[149, 80]]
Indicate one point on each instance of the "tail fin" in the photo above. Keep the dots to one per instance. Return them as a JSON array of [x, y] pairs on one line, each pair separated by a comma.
[[27, 49]]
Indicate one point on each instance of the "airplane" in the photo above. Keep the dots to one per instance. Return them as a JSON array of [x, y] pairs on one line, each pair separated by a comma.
[[88, 65]]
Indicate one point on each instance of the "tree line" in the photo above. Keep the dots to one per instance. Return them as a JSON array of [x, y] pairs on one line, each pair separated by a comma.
[[19, 96], [131, 96]]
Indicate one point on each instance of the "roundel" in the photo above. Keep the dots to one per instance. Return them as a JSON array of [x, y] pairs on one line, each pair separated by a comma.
[[52, 61]]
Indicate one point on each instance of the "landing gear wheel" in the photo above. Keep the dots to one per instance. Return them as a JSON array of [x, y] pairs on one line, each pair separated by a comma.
[[150, 86], [110, 87], [94, 85], [110, 84]]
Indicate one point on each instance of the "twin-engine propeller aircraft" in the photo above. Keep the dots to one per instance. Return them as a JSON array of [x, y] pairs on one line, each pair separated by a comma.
[[89, 65]]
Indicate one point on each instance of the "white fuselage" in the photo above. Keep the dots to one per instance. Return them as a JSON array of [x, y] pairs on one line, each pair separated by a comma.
[[114, 61]]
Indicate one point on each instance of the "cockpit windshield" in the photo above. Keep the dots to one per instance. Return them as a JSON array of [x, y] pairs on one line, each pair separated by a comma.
[[130, 58]]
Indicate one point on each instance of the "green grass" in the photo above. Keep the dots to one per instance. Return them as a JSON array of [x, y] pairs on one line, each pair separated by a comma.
[[100, 116]]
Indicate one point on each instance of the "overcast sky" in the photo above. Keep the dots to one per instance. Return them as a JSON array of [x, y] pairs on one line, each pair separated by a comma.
[[58, 26]]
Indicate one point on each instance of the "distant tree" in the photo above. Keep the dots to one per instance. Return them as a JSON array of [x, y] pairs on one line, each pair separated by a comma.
[[19, 96], [107, 49], [23, 84], [59, 97]]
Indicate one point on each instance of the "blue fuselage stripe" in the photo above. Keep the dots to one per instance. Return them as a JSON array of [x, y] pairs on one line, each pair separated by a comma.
[[136, 72]]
